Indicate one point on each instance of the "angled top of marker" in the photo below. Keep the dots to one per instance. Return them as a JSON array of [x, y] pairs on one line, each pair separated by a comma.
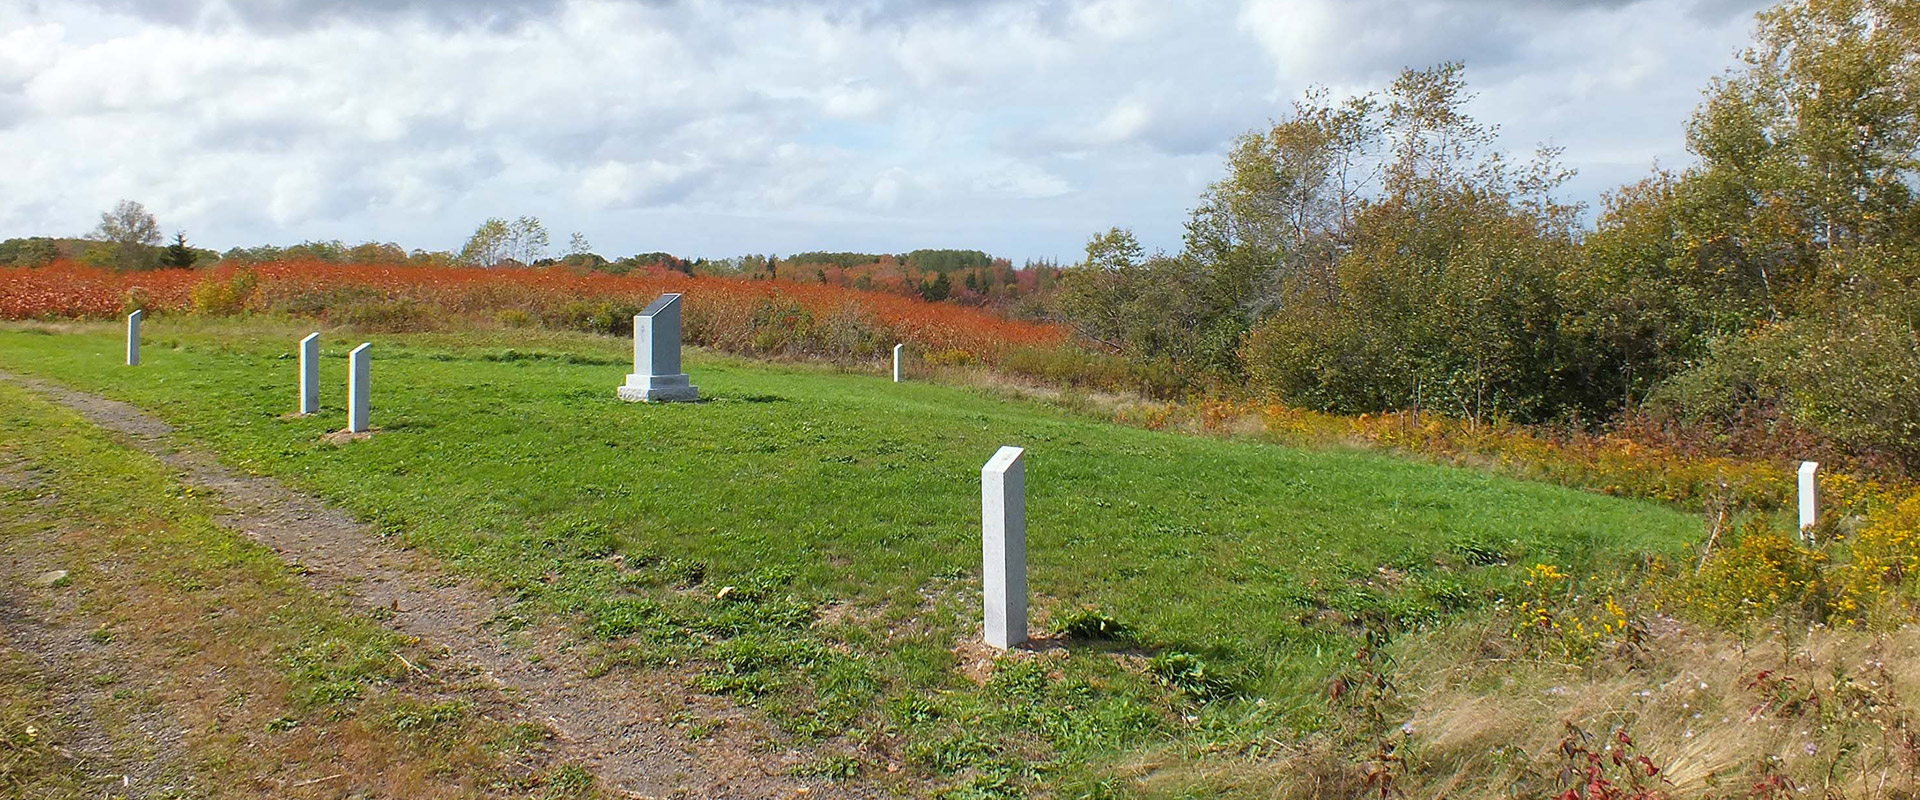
[[310, 337], [138, 313], [661, 304], [1809, 467], [358, 350], [1005, 459]]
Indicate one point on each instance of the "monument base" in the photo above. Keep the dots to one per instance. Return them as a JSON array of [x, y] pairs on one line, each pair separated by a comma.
[[659, 389]]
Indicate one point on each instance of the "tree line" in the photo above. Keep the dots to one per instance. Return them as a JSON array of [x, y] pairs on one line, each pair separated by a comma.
[[1378, 253], [128, 238]]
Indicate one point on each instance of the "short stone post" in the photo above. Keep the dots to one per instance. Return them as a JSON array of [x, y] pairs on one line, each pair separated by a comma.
[[896, 361], [310, 374], [1809, 498], [133, 336], [1003, 510], [656, 356], [359, 373]]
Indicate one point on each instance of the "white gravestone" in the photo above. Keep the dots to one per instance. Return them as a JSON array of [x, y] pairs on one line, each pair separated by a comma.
[[133, 337], [310, 374], [359, 373], [656, 374], [896, 361], [1003, 510], [1809, 496]]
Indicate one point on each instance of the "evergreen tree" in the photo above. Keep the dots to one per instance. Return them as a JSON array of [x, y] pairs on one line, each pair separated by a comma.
[[938, 289], [177, 255]]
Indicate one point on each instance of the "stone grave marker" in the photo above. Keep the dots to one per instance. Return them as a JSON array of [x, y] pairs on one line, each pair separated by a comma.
[[1809, 497], [1003, 509], [656, 374], [310, 373], [359, 374], [133, 336]]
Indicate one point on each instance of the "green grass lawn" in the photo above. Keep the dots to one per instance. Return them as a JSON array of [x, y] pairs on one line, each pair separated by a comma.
[[809, 489]]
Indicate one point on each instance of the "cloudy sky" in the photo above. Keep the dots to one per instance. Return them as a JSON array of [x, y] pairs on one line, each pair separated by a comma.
[[721, 127]]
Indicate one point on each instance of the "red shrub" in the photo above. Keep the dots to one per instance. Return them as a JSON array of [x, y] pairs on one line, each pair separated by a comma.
[[775, 316]]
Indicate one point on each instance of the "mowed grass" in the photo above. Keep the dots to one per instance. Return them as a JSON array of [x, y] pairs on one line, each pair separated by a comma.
[[848, 497]]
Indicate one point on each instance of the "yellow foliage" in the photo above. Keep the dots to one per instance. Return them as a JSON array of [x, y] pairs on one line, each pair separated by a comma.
[[1553, 616], [1884, 556], [223, 295], [1760, 573]]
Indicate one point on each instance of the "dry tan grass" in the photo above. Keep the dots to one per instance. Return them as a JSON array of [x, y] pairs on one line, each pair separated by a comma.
[[1487, 724], [1694, 701]]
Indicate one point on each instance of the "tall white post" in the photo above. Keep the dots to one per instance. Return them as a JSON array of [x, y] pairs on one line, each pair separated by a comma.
[[310, 374], [896, 361], [359, 372], [656, 374], [1809, 497], [133, 337], [1003, 511]]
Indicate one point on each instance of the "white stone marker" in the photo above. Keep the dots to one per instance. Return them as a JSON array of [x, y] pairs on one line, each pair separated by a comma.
[[1809, 497], [896, 361], [359, 372], [656, 356], [1003, 511], [133, 337], [310, 373]]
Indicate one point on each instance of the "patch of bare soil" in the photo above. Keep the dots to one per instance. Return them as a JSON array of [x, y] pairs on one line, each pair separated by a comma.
[[977, 660], [341, 437], [617, 725]]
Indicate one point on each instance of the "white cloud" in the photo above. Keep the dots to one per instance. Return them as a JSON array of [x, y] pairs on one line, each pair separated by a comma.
[[1126, 120], [1018, 179], [1118, 20], [615, 184], [885, 192], [711, 127], [849, 101], [1295, 33]]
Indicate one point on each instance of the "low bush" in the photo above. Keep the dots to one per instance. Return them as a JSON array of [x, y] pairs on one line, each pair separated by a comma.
[[1190, 674], [395, 315], [1843, 381], [1092, 624], [224, 295]]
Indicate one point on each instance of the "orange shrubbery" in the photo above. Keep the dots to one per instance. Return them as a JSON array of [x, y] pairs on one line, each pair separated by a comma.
[[751, 316]]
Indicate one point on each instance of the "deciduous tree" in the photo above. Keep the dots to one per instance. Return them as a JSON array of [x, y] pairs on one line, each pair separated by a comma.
[[488, 245], [132, 232]]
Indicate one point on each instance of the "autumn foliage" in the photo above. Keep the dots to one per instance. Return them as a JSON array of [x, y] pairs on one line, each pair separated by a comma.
[[768, 317]]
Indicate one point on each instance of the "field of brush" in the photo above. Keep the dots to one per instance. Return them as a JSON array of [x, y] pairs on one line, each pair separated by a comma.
[[805, 542]]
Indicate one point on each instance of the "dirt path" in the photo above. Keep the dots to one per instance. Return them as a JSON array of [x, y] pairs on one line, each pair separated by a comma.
[[617, 725], [147, 763]]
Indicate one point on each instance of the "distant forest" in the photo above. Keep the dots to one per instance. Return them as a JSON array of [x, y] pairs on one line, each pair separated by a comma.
[[128, 239]]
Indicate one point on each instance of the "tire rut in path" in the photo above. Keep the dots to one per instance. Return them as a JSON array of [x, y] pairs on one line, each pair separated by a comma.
[[611, 725]]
